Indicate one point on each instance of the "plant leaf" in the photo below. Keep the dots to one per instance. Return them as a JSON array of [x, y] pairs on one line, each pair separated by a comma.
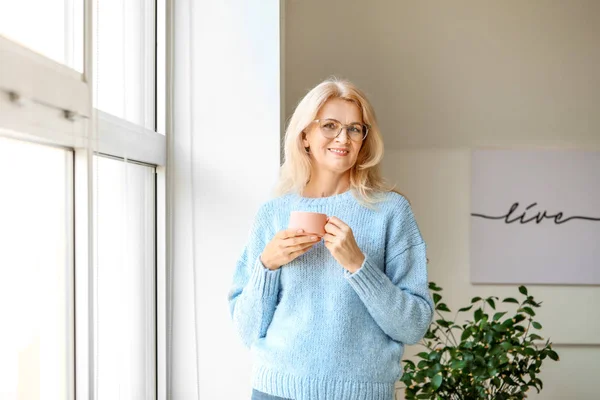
[[442, 307], [510, 300], [531, 302], [475, 299], [536, 325], [465, 308], [527, 310], [434, 287], [499, 315], [465, 335], [552, 354], [506, 345], [530, 351], [443, 323], [523, 290], [478, 314], [436, 381], [436, 298], [491, 303]]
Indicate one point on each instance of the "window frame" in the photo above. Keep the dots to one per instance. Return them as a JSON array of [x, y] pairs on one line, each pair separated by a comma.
[[43, 101]]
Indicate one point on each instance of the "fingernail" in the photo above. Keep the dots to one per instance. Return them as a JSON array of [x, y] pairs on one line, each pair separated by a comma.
[[299, 231], [313, 238]]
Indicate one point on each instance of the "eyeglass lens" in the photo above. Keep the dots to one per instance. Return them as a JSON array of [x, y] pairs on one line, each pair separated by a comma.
[[332, 128]]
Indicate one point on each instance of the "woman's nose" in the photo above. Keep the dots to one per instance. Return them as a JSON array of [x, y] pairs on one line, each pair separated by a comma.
[[343, 136]]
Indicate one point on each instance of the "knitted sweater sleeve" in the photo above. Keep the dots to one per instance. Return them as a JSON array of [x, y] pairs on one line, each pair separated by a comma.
[[398, 299], [253, 293]]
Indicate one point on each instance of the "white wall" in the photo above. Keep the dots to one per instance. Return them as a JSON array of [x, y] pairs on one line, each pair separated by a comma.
[[225, 159], [446, 77]]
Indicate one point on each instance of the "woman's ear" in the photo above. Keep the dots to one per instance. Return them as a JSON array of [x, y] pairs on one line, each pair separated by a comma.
[[304, 140]]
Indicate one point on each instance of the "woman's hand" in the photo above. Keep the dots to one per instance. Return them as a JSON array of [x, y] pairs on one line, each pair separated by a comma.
[[287, 245], [340, 242]]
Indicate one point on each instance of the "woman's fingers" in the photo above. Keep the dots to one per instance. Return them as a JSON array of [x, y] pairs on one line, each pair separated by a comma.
[[304, 246], [330, 227], [301, 240], [299, 252], [337, 222], [289, 233], [294, 236], [328, 237], [306, 242], [287, 245]]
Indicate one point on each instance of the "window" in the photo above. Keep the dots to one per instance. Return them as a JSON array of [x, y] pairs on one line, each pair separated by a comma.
[[125, 279], [83, 112], [54, 29], [124, 47], [36, 270]]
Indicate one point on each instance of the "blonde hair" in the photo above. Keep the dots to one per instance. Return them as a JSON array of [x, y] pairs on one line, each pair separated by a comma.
[[365, 175]]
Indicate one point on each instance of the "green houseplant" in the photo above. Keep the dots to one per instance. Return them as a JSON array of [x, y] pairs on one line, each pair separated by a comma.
[[493, 356]]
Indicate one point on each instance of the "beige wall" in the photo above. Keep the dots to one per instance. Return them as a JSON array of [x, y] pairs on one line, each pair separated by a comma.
[[449, 76], [437, 182], [460, 72]]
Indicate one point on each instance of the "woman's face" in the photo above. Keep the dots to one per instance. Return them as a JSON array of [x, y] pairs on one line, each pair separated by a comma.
[[322, 149]]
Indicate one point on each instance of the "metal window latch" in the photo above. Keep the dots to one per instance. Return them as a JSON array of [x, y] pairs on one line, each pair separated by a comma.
[[70, 115], [16, 99], [21, 101]]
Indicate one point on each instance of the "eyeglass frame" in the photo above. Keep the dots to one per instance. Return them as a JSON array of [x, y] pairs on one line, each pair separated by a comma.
[[367, 127]]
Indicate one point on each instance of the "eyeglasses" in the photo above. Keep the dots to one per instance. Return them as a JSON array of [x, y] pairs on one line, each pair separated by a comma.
[[331, 128]]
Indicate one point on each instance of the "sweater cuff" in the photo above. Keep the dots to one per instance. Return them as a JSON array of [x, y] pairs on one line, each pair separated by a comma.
[[264, 281], [368, 280]]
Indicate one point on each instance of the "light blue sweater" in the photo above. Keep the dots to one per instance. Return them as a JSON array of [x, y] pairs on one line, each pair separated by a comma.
[[318, 332]]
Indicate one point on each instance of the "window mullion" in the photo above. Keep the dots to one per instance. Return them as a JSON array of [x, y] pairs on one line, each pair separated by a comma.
[[85, 365]]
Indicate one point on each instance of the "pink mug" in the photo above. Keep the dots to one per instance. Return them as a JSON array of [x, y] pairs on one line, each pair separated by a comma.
[[313, 223]]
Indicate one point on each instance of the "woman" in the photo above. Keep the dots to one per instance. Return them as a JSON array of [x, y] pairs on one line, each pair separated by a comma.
[[328, 317]]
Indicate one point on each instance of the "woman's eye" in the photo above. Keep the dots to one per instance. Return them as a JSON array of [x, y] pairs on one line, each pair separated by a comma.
[[329, 125], [355, 129]]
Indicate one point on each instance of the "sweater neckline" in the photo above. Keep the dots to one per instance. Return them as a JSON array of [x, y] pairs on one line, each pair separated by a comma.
[[323, 200]]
